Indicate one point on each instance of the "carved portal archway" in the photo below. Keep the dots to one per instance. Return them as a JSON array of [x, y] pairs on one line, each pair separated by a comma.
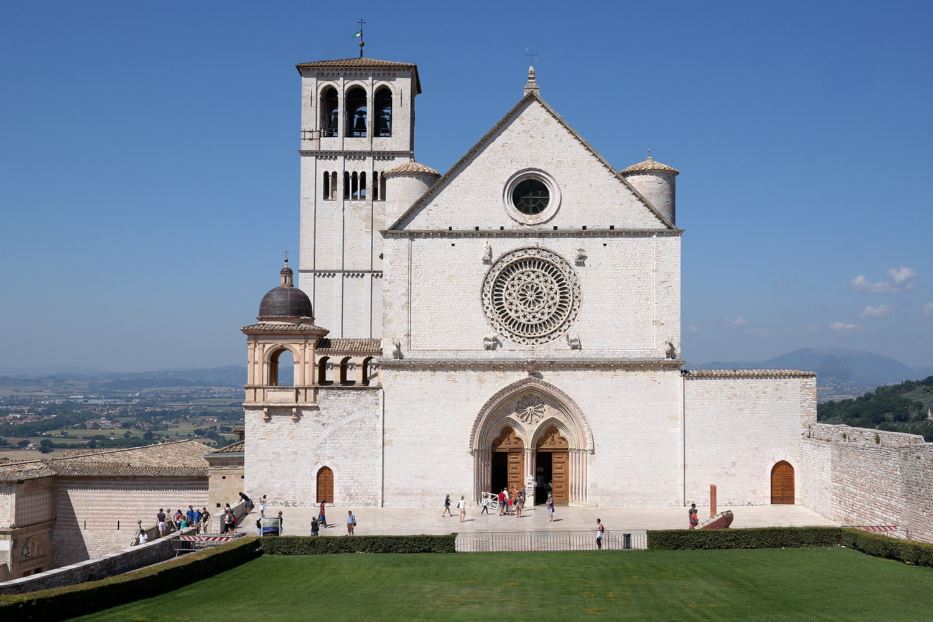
[[543, 419]]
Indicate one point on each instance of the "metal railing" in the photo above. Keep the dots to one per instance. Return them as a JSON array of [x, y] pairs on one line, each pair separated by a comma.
[[564, 540]]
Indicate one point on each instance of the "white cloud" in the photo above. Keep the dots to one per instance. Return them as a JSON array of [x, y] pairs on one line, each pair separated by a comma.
[[928, 309], [877, 311], [734, 322], [901, 274], [899, 280], [842, 326]]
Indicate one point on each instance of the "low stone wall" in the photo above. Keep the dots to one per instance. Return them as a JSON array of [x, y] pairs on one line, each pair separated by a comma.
[[865, 477], [101, 568]]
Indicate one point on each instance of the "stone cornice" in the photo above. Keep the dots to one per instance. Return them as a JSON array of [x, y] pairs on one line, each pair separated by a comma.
[[376, 155], [694, 374], [530, 365], [533, 233]]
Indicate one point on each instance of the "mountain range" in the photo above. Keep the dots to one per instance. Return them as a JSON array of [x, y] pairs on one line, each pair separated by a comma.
[[840, 372]]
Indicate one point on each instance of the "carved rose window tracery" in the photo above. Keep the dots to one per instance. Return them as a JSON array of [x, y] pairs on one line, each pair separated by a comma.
[[531, 296], [530, 409]]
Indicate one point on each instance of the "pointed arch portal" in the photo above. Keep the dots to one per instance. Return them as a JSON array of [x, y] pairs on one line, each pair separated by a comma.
[[531, 435]]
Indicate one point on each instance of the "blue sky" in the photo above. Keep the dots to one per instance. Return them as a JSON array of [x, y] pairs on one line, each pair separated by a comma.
[[149, 173]]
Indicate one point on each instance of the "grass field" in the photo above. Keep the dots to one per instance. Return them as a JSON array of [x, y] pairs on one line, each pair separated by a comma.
[[811, 584]]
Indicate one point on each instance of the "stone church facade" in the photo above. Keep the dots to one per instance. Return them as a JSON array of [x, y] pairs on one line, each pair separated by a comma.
[[514, 322]]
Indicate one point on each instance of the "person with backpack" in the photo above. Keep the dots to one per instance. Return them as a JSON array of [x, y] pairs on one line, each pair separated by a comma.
[[446, 507], [351, 522]]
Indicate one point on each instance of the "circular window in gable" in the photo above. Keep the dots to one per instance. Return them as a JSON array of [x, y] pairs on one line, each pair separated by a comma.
[[531, 197]]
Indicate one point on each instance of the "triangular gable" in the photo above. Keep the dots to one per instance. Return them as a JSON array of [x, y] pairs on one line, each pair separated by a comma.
[[488, 138]]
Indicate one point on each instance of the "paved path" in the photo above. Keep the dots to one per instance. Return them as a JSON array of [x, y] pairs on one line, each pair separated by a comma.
[[393, 521]]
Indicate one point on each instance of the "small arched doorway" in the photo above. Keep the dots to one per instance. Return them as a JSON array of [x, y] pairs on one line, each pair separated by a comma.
[[552, 467], [325, 485], [508, 461], [782, 484]]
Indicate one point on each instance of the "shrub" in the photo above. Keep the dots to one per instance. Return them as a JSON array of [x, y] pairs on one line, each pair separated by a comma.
[[877, 545], [307, 545], [764, 538], [74, 600]]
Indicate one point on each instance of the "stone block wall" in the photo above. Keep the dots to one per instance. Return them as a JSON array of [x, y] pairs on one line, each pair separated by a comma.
[[859, 476], [284, 455], [635, 418], [225, 484], [736, 430], [95, 517]]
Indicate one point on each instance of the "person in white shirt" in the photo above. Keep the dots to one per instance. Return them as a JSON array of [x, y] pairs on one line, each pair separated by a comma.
[[461, 507]]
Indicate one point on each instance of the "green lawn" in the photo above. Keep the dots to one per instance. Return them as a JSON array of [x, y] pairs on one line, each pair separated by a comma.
[[811, 584]]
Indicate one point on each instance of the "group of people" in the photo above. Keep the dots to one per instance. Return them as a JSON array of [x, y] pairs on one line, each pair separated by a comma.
[[167, 522], [321, 521]]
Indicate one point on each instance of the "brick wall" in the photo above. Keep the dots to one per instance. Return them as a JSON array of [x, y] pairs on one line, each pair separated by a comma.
[[88, 511]]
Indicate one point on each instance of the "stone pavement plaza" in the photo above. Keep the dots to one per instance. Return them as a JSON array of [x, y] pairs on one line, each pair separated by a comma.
[[399, 521]]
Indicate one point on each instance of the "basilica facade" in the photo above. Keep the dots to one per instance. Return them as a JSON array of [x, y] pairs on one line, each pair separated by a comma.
[[514, 322]]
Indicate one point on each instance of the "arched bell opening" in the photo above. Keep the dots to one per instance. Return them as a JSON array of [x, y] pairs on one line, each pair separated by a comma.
[[356, 111]]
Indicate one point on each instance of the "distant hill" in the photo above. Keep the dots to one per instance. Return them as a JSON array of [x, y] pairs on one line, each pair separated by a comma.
[[227, 376], [904, 407], [840, 372]]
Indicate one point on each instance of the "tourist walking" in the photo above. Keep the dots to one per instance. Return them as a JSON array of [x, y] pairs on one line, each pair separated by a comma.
[[189, 515], [446, 506], [461, 508], [693, 516], [351, 522], [315, 526], [519, 503], [262, 506], [247, 502], [502, 505], [197, 519], [549, 504], [600, 530], [321, 517], [205, 521], [160, 521], [281, 523], [485, 504]]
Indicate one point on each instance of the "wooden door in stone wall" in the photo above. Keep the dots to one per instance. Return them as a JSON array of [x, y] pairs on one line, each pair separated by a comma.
[[509, 442], [556, 445], [782, 484], [325, 485]]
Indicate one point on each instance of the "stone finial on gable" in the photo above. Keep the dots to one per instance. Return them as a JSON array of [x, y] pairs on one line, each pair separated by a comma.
[[531, 84]]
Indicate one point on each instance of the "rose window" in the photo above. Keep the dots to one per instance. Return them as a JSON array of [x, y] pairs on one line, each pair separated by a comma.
[[531, 296]]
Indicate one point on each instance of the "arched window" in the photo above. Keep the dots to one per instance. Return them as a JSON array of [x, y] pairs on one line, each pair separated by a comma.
[[282, 368], [322, 376], [330, 112], [383, 105], [346, 375], [326, 188], [346, 185], [366, 371], [355, 186], [333, 185], [362, 193], [325, 485], [356, 112]]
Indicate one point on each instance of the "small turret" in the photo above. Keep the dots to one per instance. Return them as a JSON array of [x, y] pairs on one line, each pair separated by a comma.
[[656, 182], [405, 184]]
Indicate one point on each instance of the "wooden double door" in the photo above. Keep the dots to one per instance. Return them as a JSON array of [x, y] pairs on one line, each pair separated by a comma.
[[552, 458], [508, 462]]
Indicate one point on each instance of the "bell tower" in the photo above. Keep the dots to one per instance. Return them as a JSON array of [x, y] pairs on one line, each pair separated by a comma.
[[357, 123]]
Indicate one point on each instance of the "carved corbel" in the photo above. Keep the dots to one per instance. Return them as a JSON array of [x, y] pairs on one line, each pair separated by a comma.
[[265, 415]]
